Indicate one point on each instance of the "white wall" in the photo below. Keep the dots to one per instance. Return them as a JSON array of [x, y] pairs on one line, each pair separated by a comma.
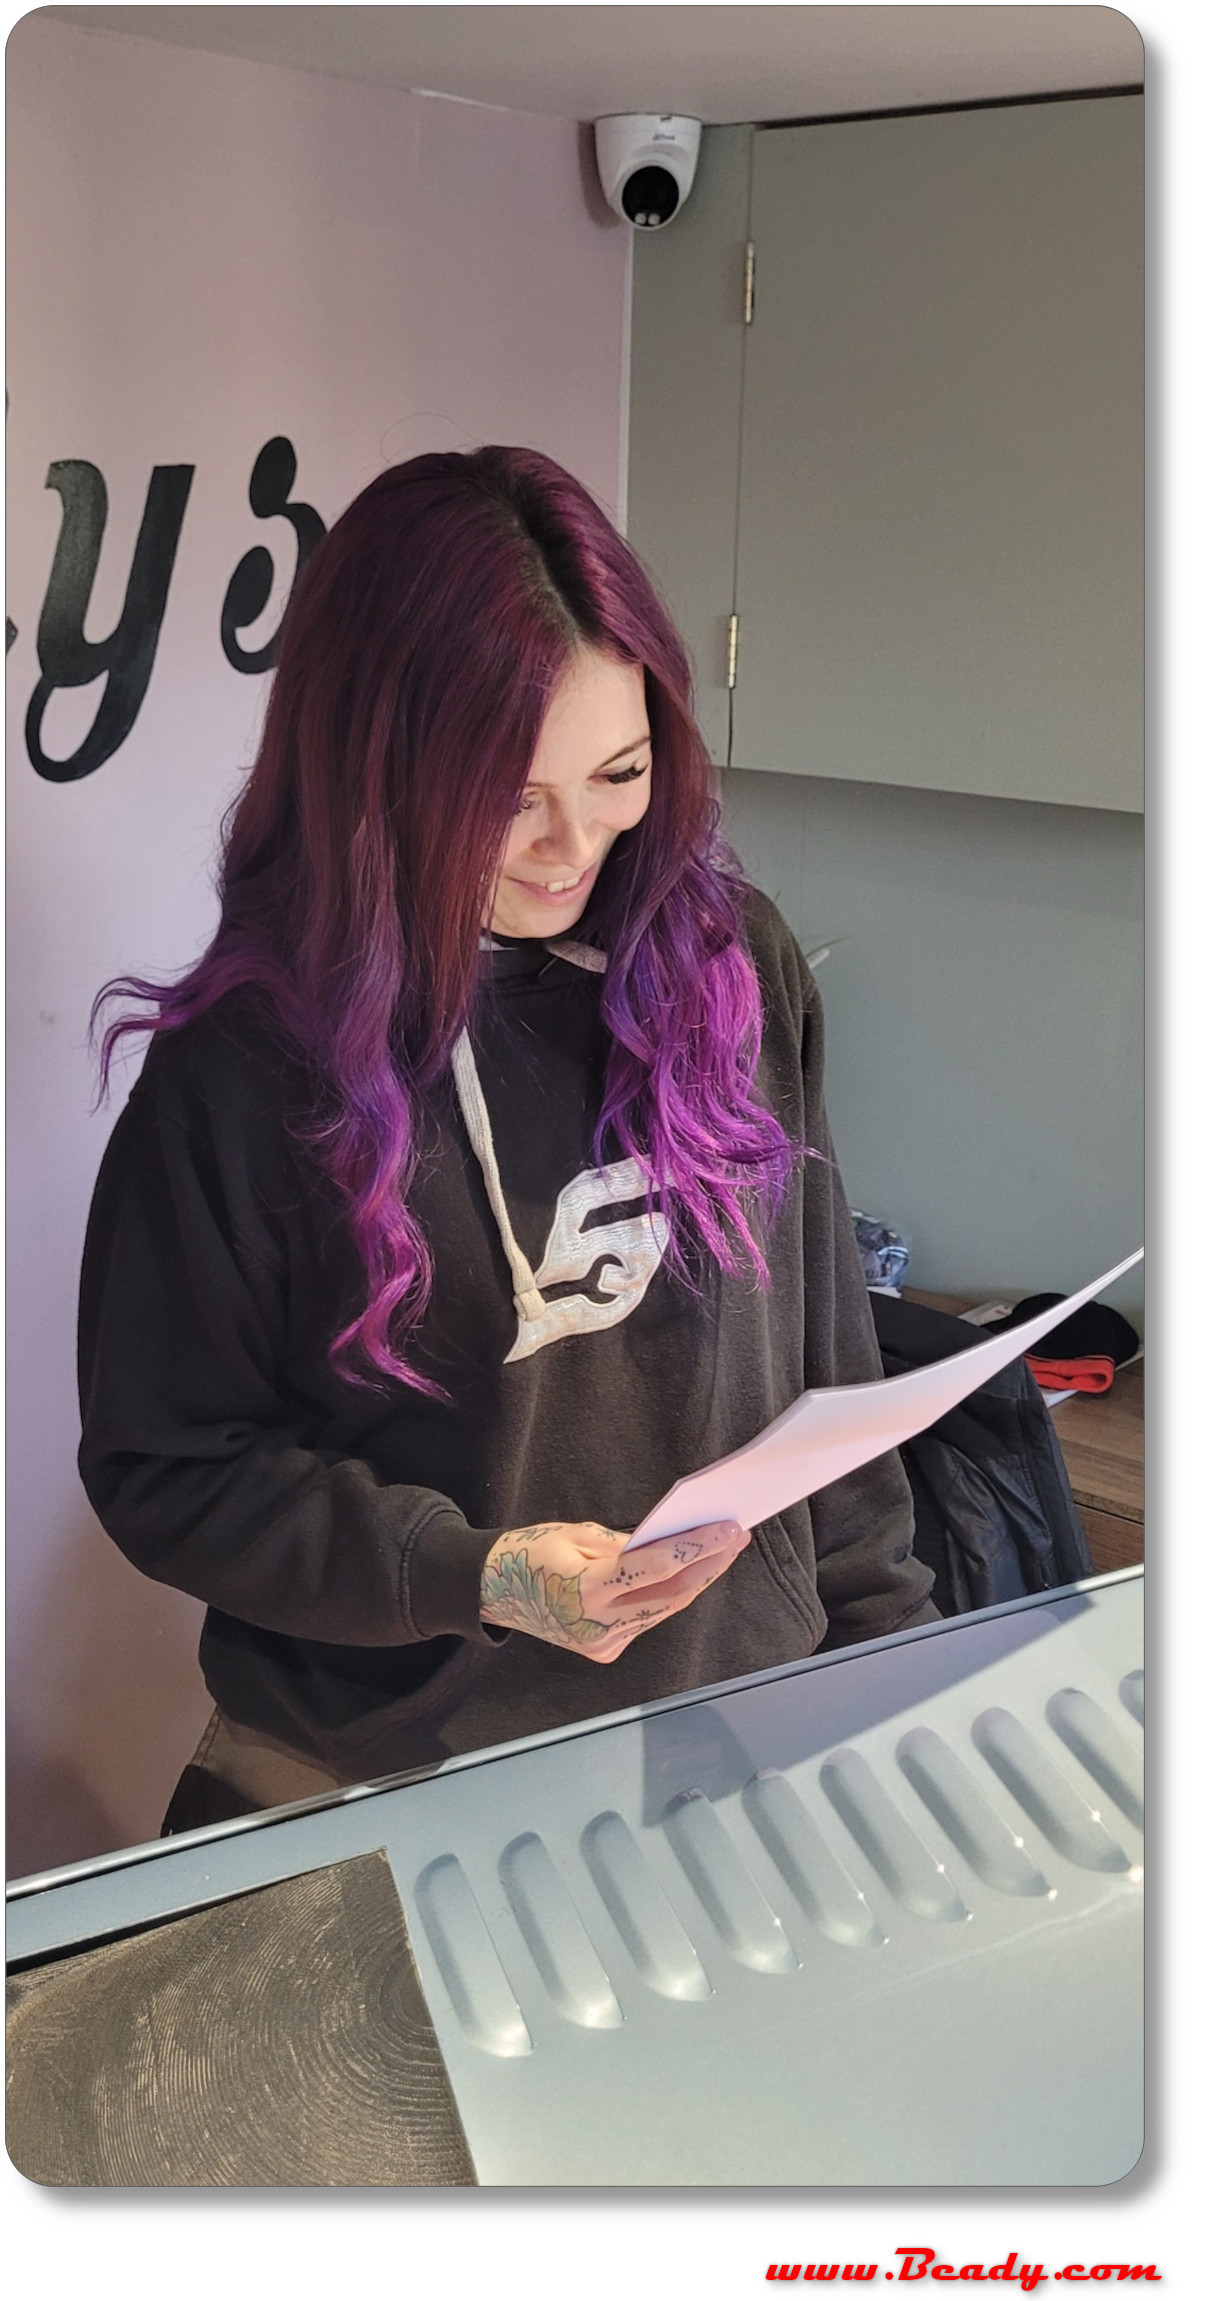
[[984, 997], [205, 253]]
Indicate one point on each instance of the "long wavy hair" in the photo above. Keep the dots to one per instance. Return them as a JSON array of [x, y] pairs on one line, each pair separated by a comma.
[[421, 648]]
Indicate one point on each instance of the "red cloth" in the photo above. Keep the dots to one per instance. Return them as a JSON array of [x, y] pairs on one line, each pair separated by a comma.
[[1071, 1373]]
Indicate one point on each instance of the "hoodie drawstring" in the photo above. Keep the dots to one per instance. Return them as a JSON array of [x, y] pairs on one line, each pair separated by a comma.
[[529, 1302]]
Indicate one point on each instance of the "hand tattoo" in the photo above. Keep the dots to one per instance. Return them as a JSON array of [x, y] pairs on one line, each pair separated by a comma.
[[623, 1578], [520, 1596]]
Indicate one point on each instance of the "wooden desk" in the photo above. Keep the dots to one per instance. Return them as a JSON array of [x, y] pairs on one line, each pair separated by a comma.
[[1102, 1442]]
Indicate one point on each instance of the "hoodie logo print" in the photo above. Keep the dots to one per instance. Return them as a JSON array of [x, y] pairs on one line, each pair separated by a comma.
[[597, 1264]]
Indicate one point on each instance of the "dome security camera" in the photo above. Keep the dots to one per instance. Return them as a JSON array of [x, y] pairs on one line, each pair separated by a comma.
[[646, 164]]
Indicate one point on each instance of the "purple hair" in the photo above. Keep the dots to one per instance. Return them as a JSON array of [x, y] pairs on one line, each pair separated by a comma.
[[420, 652]]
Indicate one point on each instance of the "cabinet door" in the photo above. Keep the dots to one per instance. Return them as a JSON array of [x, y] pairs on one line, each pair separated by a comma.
[[939, 569], [688, 345]]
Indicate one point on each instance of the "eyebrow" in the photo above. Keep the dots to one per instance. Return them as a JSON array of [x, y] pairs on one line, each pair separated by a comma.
[[622, 753]]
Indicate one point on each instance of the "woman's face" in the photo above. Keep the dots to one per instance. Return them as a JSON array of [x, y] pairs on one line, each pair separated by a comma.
[[589, 781]]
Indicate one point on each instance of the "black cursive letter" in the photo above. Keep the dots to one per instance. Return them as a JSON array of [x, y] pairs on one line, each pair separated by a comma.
[[128, 654], [250, 586]]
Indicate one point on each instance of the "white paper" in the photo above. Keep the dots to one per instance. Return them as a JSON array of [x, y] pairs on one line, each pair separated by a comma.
[[829, 1432]]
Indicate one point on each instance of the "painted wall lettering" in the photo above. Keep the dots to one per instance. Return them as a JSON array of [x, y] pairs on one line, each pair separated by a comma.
[[250, 586], [67, 659]]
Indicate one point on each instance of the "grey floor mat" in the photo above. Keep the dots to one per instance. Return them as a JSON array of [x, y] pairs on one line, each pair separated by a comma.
[[278, 2039]]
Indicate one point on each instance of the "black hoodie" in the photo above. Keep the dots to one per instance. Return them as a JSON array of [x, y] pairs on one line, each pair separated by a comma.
[[338, 1532]]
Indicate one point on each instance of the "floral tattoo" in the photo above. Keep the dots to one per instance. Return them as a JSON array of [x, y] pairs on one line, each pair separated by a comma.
[[519, 1596]]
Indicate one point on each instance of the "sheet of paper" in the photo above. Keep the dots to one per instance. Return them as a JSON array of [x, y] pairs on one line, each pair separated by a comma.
[[829, 1432]]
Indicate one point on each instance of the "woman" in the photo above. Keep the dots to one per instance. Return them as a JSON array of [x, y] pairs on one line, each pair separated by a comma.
[[477, 1182]]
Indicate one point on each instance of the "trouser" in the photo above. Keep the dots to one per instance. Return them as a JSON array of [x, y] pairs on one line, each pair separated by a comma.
[[234, 1771]]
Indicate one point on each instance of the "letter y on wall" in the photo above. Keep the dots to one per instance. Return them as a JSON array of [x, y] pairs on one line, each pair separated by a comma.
[[68, 659]]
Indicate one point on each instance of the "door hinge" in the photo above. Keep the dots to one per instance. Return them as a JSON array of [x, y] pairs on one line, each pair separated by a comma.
[[734, 640], [750, 281]]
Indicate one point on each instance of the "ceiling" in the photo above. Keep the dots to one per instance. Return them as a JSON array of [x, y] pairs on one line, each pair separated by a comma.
[[716, 63]]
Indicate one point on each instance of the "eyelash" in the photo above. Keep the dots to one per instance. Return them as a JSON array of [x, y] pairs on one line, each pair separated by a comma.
[[625, 775]]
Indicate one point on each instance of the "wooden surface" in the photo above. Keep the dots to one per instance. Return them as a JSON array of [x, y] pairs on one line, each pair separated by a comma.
[[1112, 1541], [278, 2039], [1102, 1442]]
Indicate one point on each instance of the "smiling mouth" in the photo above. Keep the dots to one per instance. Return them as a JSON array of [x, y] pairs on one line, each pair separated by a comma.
[[558, 890]]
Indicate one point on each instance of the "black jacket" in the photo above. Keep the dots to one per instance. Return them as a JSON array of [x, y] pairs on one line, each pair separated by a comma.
[[994, 1512]]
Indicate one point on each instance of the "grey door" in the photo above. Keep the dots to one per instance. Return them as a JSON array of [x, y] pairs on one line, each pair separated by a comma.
[[939, 560]]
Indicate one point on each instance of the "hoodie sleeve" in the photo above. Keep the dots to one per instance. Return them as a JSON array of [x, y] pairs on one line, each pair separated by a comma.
[[192, 1452], [867, 1578]]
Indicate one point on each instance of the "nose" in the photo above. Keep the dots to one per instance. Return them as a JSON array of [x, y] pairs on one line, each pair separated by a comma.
[[569, 837]]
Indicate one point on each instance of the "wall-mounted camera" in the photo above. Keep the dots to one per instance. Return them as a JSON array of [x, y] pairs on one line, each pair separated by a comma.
[[646, 164]]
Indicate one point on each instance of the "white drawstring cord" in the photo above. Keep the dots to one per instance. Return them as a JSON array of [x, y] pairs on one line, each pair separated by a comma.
[[584, 955], [529, 1302]]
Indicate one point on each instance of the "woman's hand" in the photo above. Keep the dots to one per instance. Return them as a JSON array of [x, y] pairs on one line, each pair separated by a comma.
[[572, 1585]]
